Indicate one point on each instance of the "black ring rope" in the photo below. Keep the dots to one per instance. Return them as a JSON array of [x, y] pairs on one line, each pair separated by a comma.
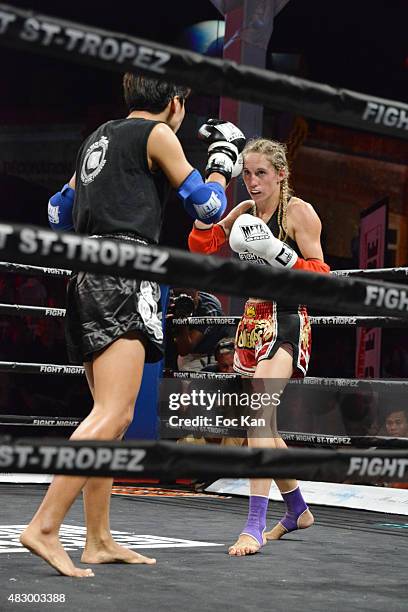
[[350, 383], [118, 52], [18, 420], [355, 383], [171, 460], [335, 294], [308, 439], [6, 266], [380, 273], [342, 440], [40, 368], [390, 274], [32, 311], [322, 321]]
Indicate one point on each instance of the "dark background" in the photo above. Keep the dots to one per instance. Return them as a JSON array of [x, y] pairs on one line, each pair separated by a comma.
[[355, 44], [360, 45]]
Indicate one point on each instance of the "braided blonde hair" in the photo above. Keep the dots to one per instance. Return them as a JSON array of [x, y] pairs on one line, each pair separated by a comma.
[[275, 152]]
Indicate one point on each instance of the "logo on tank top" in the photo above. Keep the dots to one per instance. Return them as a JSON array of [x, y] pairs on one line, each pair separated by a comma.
[[94, 161]]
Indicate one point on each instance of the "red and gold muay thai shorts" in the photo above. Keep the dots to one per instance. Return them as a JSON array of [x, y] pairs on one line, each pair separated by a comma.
[[264, 328]]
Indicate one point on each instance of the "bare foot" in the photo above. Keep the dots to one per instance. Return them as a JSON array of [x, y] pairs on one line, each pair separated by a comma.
[[112, 552], [49, 548], [245, 545], [305, 520]]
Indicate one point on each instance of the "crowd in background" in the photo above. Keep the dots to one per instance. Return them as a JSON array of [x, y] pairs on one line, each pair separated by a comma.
[[30, 339], [206, 348]]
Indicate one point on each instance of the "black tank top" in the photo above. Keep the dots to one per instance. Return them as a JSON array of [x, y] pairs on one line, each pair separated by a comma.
[[115, 190], [274, 227]]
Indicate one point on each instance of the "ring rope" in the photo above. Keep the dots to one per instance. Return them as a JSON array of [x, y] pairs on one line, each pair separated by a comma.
[[38, 421], [356, 383], [32, 311], [317, 439], [6, 266], [131, 260], [104, 49], [308, 380], [381, 273], [295, 438], [321, 321], [308, 439], [40, 368], [171, 461]]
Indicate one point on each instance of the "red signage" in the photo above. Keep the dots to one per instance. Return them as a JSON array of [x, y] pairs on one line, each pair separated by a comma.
[[373, 244]]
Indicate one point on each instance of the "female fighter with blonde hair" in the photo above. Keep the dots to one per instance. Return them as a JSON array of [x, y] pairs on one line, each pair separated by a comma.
[[272, 341]]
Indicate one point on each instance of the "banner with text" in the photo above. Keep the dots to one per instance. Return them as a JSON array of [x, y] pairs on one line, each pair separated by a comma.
[[373, 236]]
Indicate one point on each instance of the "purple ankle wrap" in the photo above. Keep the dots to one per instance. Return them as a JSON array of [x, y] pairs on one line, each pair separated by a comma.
[[296, 505], [256, 522]]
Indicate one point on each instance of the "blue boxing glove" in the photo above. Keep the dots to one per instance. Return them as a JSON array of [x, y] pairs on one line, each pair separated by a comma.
[[60, 208], [203, 201]]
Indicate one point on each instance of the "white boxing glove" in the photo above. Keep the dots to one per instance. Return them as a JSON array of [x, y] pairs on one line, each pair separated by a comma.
[[251, 235], [226, 142]]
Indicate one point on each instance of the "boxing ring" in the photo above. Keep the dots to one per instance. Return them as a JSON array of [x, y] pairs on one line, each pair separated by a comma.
[[187, 532], [353, 556]]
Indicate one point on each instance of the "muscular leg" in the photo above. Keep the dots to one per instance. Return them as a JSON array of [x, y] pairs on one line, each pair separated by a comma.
[[108, 386], [97, 491], [298, 515], [122, 362], [279, 367]]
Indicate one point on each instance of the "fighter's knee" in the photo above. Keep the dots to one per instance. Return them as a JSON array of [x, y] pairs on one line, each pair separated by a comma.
[[124, 419], [113, 420], [127, 419]]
